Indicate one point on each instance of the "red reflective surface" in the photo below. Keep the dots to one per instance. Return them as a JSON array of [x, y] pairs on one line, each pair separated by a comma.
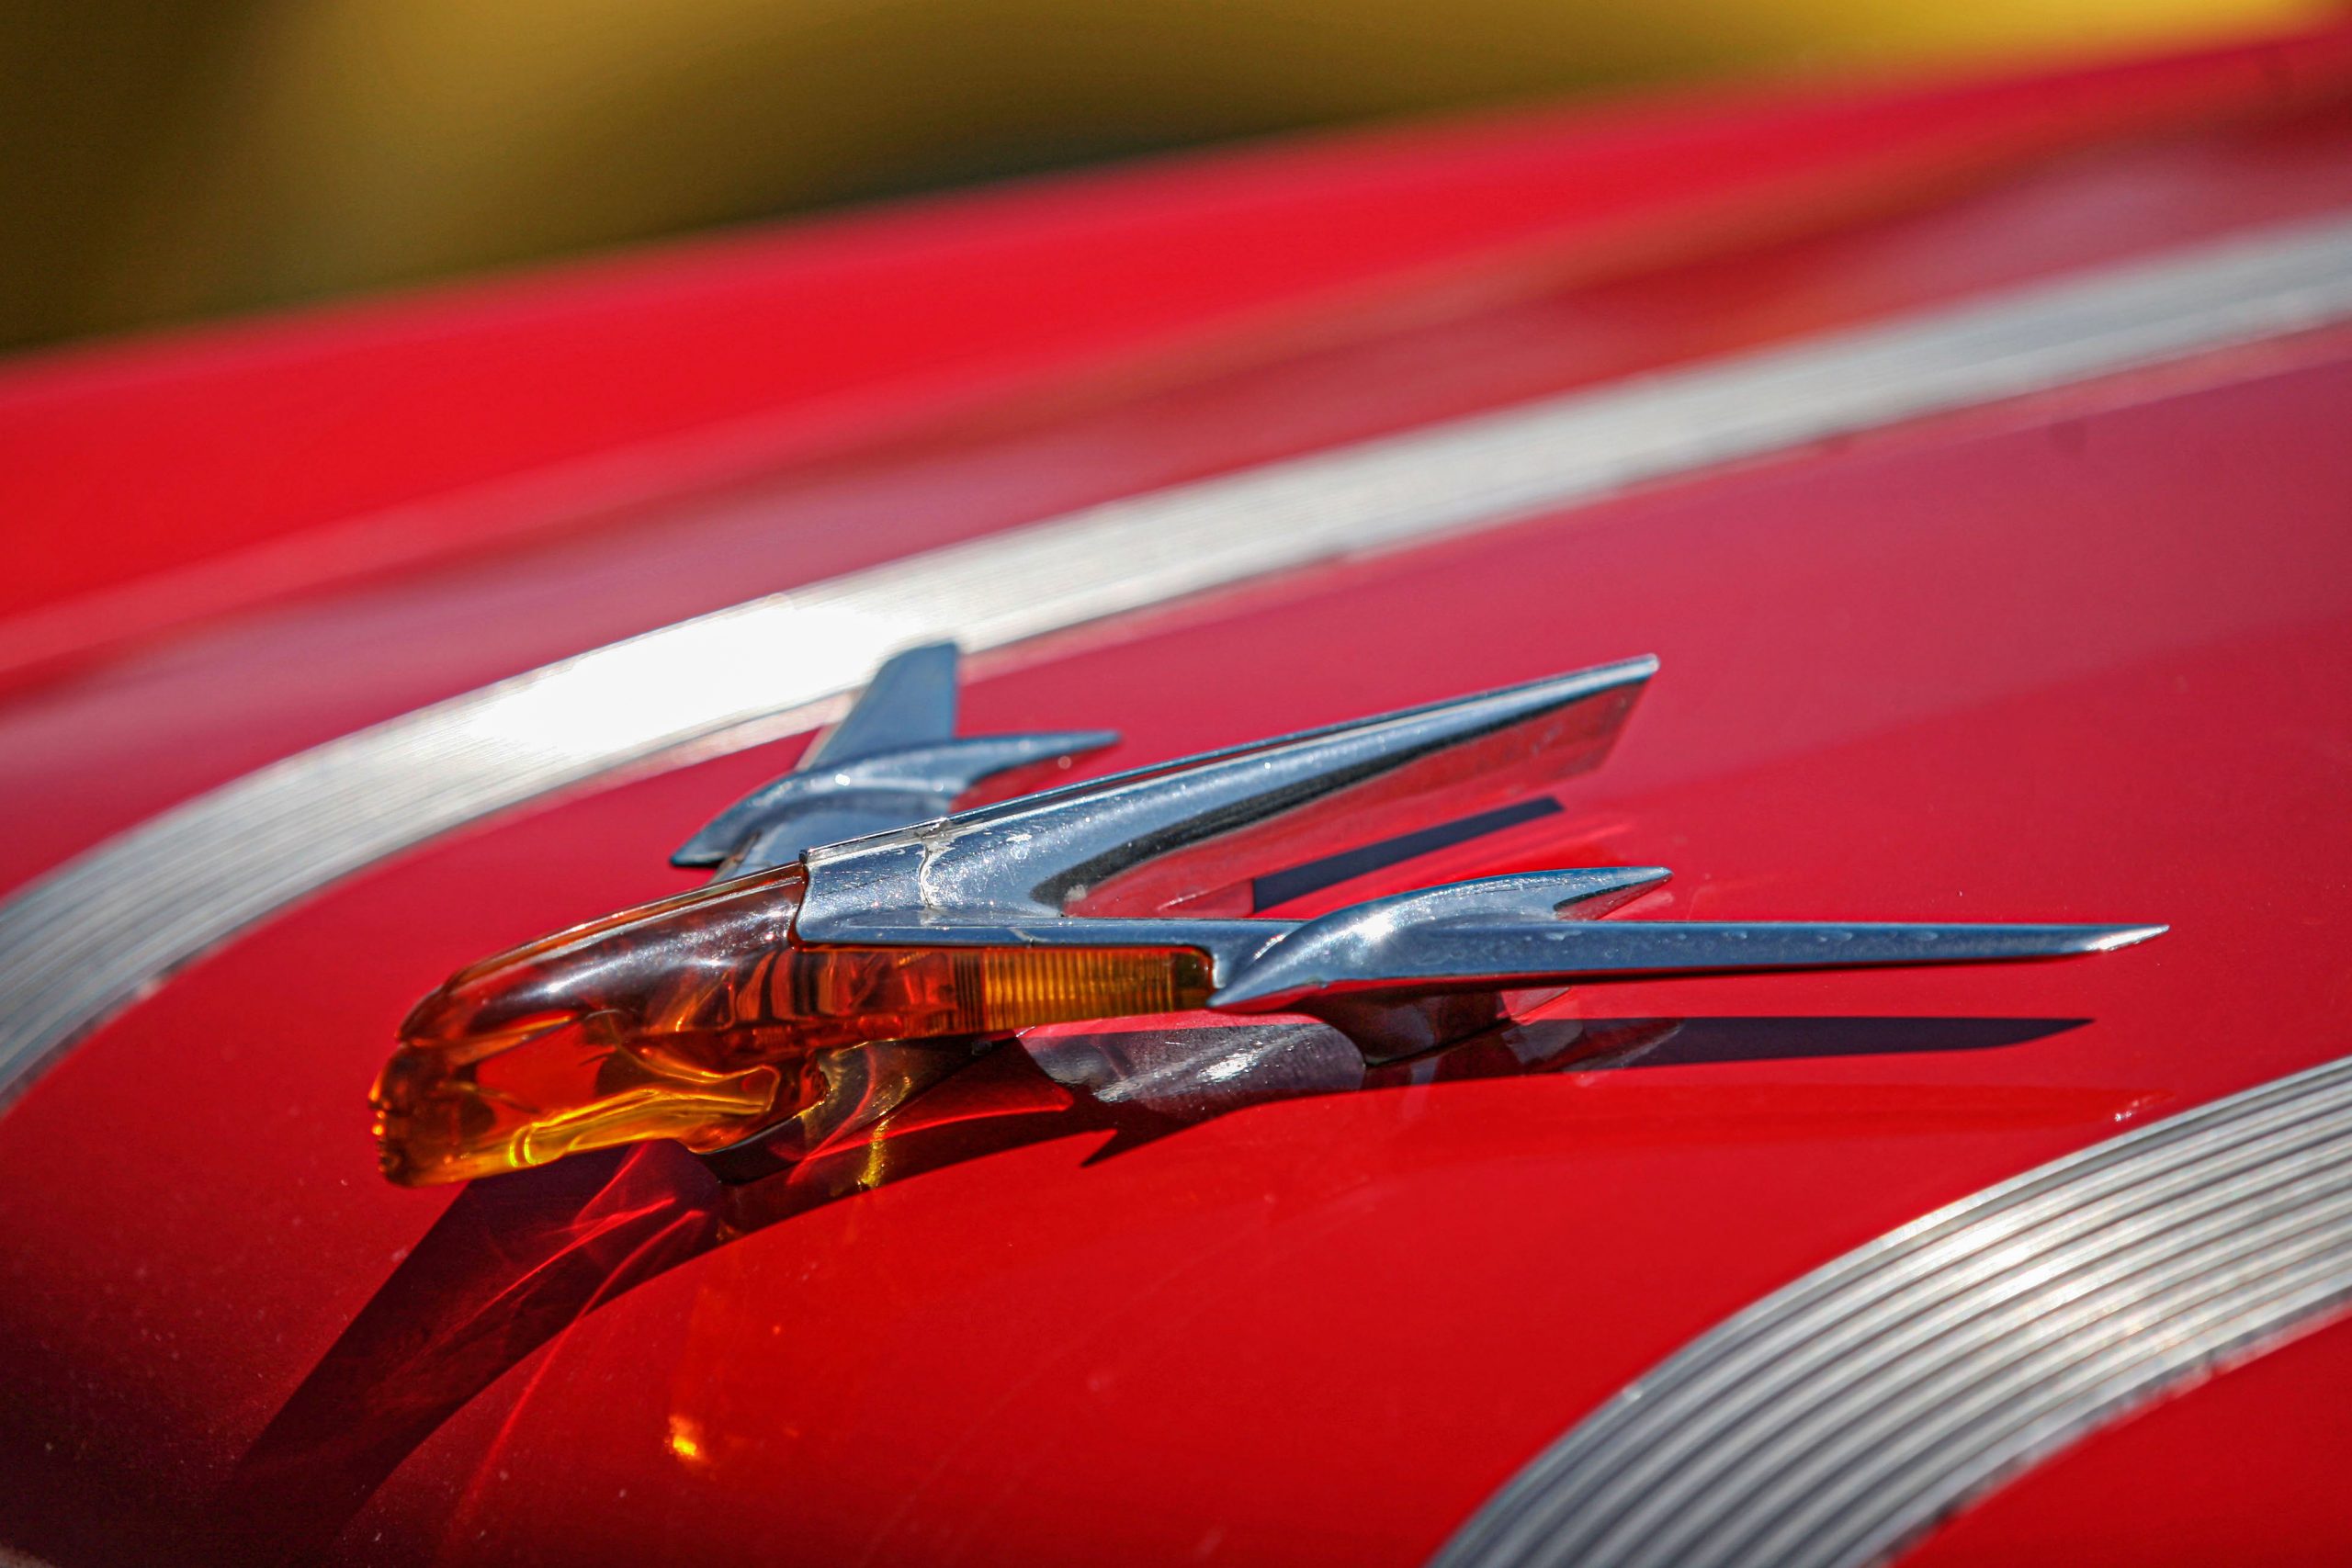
[[100, 746], [2079, 658], [350, 439]]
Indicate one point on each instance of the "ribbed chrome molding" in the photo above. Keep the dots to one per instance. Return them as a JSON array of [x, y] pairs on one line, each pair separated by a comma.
[[1834, 1422], [109, 926]]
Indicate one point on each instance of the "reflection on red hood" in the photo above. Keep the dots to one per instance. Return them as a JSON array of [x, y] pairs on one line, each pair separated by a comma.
[[1195, 1293]]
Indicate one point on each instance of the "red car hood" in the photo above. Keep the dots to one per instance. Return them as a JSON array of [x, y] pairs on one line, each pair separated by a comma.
[[1973, 460]]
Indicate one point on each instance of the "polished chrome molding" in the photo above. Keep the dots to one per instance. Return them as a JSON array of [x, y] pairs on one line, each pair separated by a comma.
[[1832, 1423], [109, 926]]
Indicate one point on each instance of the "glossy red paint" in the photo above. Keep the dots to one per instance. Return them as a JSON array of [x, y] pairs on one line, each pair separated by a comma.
[[2077, 658], [96, 750], [346, 442]]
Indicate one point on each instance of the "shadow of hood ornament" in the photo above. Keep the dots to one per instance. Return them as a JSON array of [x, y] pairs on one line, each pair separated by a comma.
[[864, 938]]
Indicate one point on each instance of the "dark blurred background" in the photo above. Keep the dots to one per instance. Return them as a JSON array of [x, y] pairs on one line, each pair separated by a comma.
[[165, 159]]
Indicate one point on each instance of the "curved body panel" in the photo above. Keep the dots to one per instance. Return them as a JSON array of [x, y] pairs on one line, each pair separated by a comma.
[[2054, 648]]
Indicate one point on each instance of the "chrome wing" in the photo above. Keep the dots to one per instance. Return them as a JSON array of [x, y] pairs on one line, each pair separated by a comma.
[[1164, 856]]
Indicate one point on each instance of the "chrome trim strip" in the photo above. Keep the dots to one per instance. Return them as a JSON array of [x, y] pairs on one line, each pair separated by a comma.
[[108, 927], [1834, 1422]]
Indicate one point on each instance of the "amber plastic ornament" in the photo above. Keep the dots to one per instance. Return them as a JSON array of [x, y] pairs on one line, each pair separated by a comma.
[[700, 1018]]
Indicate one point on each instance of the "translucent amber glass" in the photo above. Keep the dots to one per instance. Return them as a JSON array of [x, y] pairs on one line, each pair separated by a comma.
[[701, 1019]]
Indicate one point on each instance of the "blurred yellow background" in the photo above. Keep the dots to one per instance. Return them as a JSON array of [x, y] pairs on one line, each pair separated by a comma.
[[169, 159]]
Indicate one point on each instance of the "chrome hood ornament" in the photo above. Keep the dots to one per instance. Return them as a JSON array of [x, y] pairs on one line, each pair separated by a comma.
[[859, 946]]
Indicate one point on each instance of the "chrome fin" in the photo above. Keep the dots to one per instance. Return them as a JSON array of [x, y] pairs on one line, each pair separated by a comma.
[[910, 701], [894, 759]]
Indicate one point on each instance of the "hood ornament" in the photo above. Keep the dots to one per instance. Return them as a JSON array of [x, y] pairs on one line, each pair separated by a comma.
[[862, 943]]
